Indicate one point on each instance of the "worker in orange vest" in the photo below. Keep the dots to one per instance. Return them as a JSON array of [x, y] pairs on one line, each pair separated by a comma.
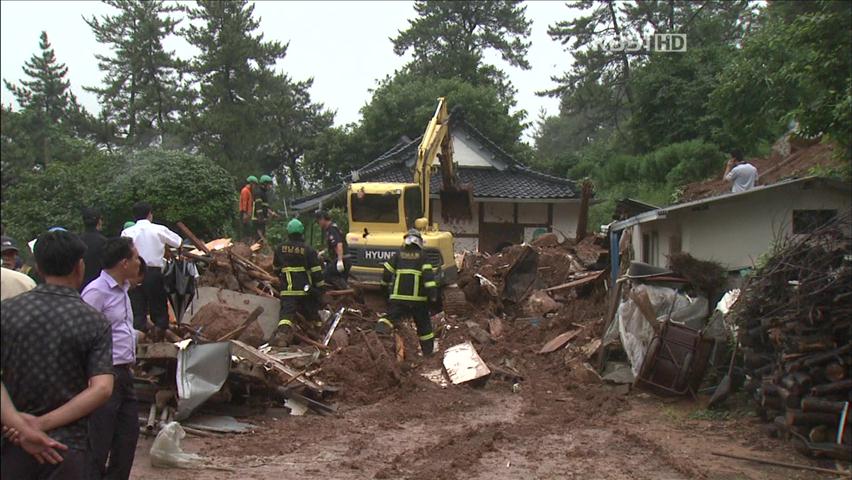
[[246, 207]]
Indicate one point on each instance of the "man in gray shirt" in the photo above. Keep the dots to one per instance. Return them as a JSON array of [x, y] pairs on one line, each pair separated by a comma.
[[741, 174]]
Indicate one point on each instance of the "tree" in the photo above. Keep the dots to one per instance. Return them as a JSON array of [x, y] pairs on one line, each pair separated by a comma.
[[449, 39], [600, 81], [48, 108], [245, 108], [293, 123], [47, 91], [170, 180], [796, 67], [141, 93], [402, 106]]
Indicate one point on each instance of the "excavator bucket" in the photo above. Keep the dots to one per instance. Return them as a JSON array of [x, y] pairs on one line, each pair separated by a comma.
[[457, 202]]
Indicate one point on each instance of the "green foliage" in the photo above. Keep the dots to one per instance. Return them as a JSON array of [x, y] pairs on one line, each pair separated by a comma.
[[248, 118], [180, 187], [47, 89], [55, 194], [403, 105], [141, 95], [796, 66], [449, 39]]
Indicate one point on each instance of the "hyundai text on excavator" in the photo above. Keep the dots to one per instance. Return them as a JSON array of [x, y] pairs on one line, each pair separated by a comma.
[[381, 212]]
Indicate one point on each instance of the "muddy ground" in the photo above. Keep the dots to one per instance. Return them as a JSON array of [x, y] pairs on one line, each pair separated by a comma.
[[544, 431], [562, 422]]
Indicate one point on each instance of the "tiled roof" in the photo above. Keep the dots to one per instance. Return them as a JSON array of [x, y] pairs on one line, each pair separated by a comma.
[[515, 181]]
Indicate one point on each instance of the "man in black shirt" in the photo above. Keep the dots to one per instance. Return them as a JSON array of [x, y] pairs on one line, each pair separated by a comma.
[[94, 240], [337, 264], [56, 360]]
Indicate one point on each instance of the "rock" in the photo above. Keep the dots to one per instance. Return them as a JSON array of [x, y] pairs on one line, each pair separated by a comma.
[[339, 339], [540, 303], [478, 333], [495, 326], [546, 241]]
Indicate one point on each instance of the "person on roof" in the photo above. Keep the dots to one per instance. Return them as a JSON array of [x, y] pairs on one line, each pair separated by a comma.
[[741, 174]]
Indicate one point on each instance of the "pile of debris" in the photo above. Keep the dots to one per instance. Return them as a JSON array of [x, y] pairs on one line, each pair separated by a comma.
[[794, 317], [531, 279], [235, 266]]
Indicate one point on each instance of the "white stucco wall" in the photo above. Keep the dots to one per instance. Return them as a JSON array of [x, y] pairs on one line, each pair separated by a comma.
[[499, 212], [737, 231], [532, 213], [565, 216], [468, 153]]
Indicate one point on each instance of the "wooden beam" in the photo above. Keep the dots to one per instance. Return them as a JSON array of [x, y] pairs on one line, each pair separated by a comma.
[[549, 217], [195, 240]]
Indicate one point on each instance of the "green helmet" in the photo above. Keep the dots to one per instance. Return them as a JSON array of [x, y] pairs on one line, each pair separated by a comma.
[[129, 224], [295, 227], [265, 179], [251, 179]]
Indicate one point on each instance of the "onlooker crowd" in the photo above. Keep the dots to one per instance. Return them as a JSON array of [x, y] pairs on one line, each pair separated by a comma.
[[69, 409]]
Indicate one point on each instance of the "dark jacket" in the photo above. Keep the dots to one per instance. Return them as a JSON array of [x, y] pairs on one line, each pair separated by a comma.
[[94, 241], [297, 266], [409, 276]]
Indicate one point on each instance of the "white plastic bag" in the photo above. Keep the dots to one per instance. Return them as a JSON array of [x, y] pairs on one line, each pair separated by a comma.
[[166, 451]]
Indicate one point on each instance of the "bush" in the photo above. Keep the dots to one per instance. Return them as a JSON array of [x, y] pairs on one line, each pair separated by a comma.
[[180, 187]]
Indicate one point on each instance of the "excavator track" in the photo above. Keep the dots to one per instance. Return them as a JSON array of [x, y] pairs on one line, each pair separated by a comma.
[[454, 301]]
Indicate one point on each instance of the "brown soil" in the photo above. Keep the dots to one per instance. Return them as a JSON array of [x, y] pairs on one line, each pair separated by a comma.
[[545, 431], [771, 170], [217, 319]]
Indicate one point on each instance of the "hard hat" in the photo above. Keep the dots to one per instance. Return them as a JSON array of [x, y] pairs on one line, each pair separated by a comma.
[[129, 224], [413, 237], [251, 179], [265, 179], [295, 226]]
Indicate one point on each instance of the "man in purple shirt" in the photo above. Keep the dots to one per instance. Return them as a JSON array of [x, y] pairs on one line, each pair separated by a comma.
[[114, 427]]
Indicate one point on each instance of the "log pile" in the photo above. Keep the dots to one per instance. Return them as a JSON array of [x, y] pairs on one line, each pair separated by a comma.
[[794, 320]]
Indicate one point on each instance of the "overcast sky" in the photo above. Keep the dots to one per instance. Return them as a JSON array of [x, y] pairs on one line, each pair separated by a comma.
[[344, 46]]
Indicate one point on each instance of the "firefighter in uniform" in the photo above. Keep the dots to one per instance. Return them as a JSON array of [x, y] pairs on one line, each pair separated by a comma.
[[300, 272], [261, 211], [411, 281], [337, 265]]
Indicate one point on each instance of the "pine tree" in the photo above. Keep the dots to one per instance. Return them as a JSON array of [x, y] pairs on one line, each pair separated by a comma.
[[449, 39], [47, 90], [248, 117], [141, 88]]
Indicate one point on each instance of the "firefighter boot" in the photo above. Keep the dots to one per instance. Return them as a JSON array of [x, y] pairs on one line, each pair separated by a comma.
[[427, 344], [384, 326]]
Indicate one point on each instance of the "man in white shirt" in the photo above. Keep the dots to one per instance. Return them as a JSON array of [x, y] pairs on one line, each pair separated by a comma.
[[14, 283], [150, 240], [740, 173]]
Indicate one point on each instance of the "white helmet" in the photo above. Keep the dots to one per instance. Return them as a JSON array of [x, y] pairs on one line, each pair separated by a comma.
[[413, 237]]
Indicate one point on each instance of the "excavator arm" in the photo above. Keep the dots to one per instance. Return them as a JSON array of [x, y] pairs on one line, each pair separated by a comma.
[[456, 199]]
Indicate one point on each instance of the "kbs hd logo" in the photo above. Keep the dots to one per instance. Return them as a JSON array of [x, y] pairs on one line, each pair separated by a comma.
[[658, 42]]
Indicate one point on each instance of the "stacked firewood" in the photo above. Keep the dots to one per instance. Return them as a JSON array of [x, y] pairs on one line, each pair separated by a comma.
[[794, 319]]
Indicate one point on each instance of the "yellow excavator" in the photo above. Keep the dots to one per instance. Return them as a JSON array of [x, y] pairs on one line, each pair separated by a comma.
[[381, 212]]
